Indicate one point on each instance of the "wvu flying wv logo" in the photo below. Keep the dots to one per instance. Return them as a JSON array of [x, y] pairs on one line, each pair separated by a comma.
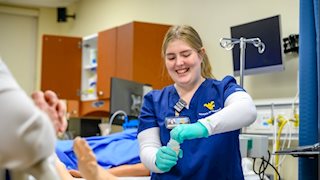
[[209, 105]]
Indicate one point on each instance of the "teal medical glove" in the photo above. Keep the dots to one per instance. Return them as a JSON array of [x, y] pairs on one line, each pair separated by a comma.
[[189, 131], [166, 158]]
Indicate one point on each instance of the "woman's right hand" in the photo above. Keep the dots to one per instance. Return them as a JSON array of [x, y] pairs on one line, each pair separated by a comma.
[[188, 132], [166, 158]]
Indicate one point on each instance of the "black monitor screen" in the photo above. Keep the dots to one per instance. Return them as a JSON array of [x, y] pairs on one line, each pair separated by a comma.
[[268, 30], [126, 96]]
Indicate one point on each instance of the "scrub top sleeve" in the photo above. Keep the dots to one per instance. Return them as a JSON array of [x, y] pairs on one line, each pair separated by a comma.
[[230, 86], [147, 116], [239, 112]]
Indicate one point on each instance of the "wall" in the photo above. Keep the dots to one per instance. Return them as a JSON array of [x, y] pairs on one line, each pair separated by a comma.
[[19, 53], [211, 18]]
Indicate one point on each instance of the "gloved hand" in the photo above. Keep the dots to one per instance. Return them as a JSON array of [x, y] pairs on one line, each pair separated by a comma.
[[189, 131], [166, 158]]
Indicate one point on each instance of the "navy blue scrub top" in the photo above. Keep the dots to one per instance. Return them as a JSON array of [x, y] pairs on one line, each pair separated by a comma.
[[216, 157]]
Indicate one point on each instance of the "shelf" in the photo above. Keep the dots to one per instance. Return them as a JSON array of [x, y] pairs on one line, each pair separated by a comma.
[[89, 67]]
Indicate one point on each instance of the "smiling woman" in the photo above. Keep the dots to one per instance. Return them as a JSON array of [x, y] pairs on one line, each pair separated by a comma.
[[183, 64], [209, 108]]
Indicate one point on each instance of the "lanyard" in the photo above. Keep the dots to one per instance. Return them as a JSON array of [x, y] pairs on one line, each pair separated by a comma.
[[179, 107]]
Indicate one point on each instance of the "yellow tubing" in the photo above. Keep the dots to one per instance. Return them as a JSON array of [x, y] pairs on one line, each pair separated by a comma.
[[296, 117], [282, 123]]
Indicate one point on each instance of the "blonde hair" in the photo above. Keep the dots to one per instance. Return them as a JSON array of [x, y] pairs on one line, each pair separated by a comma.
[[191, 37]]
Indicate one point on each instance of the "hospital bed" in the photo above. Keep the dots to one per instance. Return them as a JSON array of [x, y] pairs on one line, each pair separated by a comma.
[[113, 150]]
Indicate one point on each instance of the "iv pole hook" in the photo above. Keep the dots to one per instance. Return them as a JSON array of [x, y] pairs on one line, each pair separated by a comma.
[[228, 44]]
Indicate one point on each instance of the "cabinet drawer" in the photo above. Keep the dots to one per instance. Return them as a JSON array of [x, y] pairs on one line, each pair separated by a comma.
[[96, 108], [72, 108]]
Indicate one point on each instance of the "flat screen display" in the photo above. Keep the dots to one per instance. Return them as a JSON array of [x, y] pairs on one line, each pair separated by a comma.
[[127, 96], [268, 30]]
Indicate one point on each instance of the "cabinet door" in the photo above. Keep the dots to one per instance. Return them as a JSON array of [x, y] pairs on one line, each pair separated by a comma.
[[139, 54], [148, 65], [73, 108], [61, 66], [125, 50], [106, 61]]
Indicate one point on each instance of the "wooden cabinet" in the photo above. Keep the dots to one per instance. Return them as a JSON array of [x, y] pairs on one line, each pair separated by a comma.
[[107, 61], [139, 54], [131, 51], [106, 68], [61, 66], [72, 108], [95, 108]]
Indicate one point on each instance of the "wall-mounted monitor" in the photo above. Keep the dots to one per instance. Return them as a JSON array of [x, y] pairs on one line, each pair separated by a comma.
[[127, 96], [269, 32]]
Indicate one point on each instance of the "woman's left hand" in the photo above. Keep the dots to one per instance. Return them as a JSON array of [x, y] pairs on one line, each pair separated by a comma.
[[189, 131]]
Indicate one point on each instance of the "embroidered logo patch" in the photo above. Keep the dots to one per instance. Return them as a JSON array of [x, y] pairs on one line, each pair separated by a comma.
[[209, 105]]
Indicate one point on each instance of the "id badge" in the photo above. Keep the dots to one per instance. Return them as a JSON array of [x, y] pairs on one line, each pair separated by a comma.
[[173, 121]]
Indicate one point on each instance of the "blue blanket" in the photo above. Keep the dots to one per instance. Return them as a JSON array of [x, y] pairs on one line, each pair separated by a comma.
[[112, 150]]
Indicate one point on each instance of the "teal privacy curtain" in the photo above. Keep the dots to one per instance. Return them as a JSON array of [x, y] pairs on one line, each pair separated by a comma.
[[309, 75]]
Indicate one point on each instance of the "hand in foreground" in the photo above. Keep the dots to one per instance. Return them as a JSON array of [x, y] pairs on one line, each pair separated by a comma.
[[188, 131], [55, 108], [166, 158]]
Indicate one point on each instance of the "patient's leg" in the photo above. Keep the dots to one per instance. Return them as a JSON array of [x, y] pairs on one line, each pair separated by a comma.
[[87, 162]]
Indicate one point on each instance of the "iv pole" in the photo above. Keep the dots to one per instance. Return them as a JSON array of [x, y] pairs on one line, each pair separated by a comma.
[[228, 43]]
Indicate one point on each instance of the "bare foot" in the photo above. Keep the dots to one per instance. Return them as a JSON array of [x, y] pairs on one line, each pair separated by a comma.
[[87, 163]]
